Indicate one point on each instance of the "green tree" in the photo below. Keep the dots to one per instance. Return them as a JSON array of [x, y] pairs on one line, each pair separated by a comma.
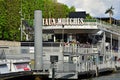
[[13, 19], [11, 10], [110, 12], [61, 11], [72, 9], [88, 16], [3, 20]]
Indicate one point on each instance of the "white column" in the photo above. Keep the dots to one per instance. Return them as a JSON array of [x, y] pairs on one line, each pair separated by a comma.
[[54, 38], [38, 40]]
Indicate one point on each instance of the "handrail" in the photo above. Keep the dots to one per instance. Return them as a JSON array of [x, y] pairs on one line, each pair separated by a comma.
[[78, 21], [74, 21]]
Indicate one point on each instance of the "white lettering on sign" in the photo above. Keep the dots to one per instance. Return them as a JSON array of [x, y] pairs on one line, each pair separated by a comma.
[[61, 21]]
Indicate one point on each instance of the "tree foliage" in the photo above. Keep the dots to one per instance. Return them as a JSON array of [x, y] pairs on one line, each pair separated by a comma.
[[2, 19], [88, 16], [72, 9], [11, 12]]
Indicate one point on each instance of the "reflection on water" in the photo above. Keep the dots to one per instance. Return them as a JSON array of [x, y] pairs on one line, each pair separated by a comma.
[[107, 77]]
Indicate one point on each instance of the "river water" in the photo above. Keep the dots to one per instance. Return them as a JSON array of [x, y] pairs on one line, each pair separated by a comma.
[[115, 76]]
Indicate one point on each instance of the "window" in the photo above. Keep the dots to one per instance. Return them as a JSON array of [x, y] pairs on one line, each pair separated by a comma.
[[53, 58]]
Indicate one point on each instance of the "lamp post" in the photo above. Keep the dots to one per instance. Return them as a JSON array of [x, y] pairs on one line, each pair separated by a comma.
[[63, 37], [63, 44]]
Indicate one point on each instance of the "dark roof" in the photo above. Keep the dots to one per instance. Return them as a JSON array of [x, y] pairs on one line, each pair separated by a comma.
[[77, 14]]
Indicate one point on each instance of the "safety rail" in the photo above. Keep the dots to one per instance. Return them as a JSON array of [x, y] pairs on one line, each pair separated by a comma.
[[84, 66], [54, 47], [55, 21], [80, 22], [73, 21], [80, 50]]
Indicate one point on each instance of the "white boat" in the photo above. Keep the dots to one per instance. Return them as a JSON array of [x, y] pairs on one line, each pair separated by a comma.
[[71, 47], [13, 64]]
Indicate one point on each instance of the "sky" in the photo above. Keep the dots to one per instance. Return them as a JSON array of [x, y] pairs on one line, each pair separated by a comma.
[[95, 8]]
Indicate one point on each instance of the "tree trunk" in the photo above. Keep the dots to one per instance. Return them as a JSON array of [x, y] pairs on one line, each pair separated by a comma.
[[110, 19]]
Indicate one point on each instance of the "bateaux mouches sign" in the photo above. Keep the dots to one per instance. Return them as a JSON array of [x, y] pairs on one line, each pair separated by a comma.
[[62, 21]]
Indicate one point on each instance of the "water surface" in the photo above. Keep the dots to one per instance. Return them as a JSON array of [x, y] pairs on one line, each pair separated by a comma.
[[115, 76]]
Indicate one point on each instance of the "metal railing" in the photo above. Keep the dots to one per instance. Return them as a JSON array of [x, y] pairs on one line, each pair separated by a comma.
[[79, 21], [73, 21], [81, 66]]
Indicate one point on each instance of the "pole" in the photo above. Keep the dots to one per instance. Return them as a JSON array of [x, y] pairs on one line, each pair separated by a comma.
[[104, 42], [111, 49], [62, 38], [63, 45], [38, 39], [118, 44], [63, 33], [53, 71], [21, 22]]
